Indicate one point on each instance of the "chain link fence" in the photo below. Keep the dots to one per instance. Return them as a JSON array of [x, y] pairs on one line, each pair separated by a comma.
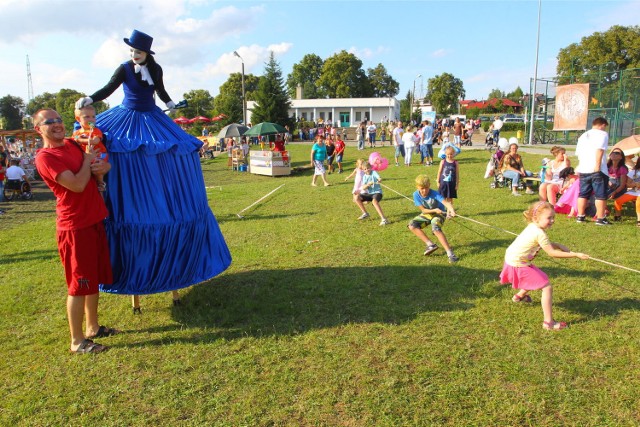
[[613, 94]]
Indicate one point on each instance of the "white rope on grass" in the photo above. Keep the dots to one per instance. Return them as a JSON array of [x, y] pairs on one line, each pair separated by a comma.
[[258, 201], [514, 234], [400, 194]]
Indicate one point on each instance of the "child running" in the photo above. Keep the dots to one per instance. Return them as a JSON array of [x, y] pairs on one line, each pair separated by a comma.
[[89, 134], [449, 176], [431, 205], [522, 274], [370, 191]]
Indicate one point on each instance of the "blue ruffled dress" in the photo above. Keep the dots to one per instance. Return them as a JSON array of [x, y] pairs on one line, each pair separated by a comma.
[[162, 233]]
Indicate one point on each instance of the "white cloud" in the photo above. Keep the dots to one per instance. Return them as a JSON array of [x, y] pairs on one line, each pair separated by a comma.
[[368, 53], [254, 57], [439, 53]]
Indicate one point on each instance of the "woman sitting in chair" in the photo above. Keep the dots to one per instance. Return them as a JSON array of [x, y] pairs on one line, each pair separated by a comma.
[[513, 169]]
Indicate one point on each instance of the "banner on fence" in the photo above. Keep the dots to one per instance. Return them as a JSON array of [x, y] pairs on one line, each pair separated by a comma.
[[572, 107]]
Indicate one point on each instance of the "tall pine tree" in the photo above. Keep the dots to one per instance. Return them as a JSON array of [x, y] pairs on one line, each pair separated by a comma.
[[272, 99]]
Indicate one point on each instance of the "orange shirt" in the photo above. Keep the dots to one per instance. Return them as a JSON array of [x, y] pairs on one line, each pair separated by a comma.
[[84, 133]]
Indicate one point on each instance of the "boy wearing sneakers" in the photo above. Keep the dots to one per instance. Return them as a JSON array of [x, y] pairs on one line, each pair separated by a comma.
[[432, 211]]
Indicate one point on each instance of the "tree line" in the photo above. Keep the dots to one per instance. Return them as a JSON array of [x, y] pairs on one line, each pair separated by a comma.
[[342, 76]]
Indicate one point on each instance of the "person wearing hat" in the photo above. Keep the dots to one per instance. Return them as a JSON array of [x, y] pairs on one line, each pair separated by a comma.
[[162, 233]]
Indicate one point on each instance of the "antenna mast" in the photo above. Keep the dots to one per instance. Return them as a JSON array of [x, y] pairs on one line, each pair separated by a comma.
[[29, 83]]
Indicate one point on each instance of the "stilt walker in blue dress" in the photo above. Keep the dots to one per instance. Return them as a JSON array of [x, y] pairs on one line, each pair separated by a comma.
[[162, 233]]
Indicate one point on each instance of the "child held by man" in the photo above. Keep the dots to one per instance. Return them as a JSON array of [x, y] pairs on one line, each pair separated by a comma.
[[88, 134]]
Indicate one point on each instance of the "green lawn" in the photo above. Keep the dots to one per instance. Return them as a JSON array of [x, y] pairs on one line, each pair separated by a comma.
[[354, 329]]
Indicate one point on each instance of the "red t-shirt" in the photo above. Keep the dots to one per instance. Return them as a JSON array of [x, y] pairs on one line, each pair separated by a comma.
[[74, 210], [339, 146], [279, 145]]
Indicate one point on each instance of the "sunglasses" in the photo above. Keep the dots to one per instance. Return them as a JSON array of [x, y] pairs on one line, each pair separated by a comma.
[[51, 121]]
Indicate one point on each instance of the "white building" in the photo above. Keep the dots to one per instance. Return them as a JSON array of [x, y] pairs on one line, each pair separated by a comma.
[[343, 112]]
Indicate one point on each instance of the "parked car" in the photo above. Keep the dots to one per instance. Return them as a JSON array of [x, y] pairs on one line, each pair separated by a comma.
[[513, 120]]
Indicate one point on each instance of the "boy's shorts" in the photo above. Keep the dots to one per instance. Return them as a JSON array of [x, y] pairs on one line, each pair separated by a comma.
[[399, 151], [370, 197], [423, 220], [339, 157], [85, 257]]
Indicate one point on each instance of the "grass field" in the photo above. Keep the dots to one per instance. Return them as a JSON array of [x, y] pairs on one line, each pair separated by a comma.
[[326, 320]]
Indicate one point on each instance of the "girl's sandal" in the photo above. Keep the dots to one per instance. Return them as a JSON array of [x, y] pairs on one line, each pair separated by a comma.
[[554, 326], [518, 298], [637, 223]]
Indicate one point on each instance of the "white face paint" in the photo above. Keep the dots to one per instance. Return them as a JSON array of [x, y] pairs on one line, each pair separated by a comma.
[[138, 56]]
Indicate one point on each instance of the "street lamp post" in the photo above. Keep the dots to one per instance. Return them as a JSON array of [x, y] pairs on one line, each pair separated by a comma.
[[244, 101]]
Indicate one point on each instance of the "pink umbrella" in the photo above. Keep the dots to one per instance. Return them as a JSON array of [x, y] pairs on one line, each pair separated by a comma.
[[181, 120]]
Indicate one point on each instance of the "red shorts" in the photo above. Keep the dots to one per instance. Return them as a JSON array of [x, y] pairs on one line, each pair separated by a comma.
[[85, 257]]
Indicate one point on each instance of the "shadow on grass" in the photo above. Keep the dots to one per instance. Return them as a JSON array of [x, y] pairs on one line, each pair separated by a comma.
[[602, 307], [288, 302], [29, 256]]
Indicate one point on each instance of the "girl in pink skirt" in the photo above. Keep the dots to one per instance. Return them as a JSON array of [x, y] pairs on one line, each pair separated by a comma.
[[525, 276]]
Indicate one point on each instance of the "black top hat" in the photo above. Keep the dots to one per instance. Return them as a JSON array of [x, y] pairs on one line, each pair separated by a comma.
[[140, 41]]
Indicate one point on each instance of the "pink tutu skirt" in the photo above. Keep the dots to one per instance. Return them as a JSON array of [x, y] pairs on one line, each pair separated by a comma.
[[529, 277]]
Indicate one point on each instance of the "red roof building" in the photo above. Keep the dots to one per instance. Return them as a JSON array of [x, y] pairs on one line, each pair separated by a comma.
[[506, 103]]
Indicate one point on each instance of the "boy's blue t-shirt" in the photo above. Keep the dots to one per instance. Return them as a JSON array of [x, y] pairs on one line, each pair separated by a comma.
[[375, 178], [432, 200]]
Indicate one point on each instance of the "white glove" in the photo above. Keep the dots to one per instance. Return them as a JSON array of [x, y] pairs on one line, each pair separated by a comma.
[[171, 106], [83, 102]]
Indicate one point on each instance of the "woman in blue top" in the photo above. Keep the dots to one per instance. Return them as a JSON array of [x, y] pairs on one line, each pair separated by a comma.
[[162, 233], [318, 156]]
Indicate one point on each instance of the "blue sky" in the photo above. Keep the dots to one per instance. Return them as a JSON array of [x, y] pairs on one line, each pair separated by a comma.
[[487, 44]]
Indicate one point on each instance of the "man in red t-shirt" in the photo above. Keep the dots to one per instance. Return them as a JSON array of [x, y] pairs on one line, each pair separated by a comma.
[[82, 241], [339, 152]]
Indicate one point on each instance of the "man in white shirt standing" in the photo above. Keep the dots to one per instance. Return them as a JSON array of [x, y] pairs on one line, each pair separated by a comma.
[[592, 168], [398, 142], [371, 130]]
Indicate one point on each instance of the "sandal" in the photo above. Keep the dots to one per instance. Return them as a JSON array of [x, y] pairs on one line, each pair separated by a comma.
[[89, 347], [518, 298], [554, 326], [637, 223], [103, 332]]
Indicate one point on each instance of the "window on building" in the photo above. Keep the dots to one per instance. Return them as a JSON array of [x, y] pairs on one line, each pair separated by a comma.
[[358, 116], [322, 115]]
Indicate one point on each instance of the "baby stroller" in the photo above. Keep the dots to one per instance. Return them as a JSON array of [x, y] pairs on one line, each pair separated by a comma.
[[489, 143], [466, 139]]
